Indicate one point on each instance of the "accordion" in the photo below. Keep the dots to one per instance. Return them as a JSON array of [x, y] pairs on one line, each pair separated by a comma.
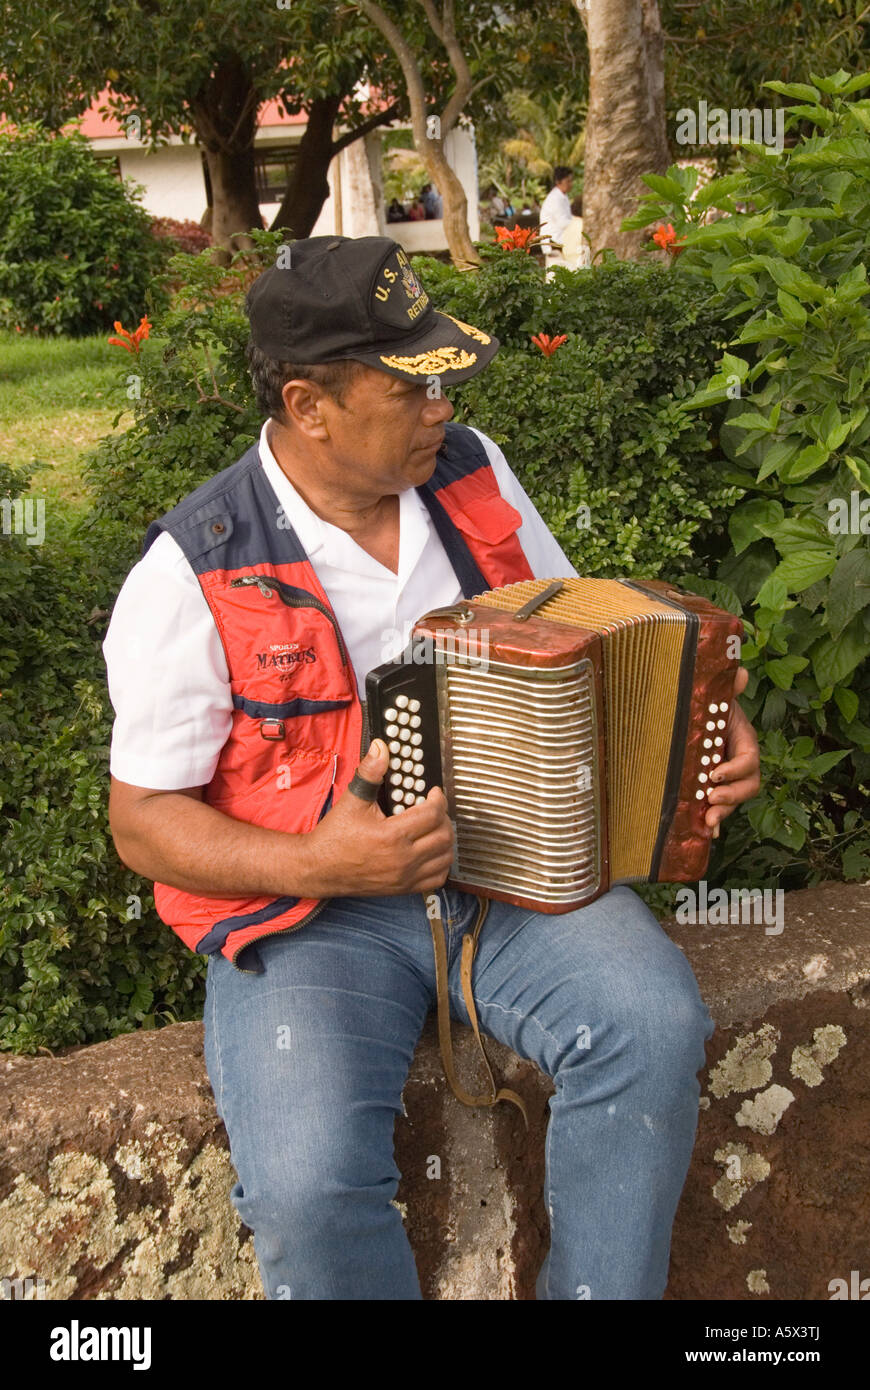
[[573, 726]]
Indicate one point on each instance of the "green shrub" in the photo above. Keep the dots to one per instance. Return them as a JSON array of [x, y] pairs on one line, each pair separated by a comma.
[[76, 251], [790, 273]]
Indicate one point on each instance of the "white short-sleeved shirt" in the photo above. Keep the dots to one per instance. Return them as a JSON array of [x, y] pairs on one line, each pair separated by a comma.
[[168, 677]]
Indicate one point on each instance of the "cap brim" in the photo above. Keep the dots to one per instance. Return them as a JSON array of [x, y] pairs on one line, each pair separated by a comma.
[[450, 350]]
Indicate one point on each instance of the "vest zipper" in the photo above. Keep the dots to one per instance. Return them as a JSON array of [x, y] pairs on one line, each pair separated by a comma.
[[268, 585]]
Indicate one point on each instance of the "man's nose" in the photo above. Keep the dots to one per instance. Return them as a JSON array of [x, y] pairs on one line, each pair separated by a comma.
[[436, 410]]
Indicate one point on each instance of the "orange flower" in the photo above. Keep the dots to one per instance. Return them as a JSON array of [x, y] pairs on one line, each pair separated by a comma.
[[131, 341], [547, 344], [517, 238], [665, 237]]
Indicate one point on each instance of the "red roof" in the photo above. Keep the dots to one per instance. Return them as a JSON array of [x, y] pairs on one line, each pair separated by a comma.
[[97, 126]]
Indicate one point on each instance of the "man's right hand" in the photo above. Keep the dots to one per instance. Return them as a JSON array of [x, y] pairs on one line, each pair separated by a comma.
[[357, 851]]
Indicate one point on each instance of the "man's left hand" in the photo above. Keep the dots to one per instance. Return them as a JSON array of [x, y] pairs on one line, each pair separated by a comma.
[[739, 778]]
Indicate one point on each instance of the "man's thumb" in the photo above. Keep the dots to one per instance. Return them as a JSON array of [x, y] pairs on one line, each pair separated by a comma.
[[367, 779]]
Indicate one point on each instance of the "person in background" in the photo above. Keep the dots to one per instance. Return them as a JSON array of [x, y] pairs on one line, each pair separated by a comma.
[[395, 212], [556, 215], [416, 212], [576, 252], [432, 203]]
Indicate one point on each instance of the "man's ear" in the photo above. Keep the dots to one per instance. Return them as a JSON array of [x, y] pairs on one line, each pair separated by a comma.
[[303, 408]]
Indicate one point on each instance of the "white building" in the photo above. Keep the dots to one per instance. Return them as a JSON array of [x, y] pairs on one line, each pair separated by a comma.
[[175, 179]]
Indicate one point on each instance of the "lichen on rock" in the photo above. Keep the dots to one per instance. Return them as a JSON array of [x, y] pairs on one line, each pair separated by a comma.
[[745, 1066], [808, 1059], [763, 1112]]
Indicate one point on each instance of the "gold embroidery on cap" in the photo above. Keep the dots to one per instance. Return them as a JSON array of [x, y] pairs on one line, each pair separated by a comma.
[[445, 359], [476, 333]]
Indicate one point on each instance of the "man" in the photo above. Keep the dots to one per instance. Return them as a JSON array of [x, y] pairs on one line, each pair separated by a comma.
[[243, 784], [432, 202], [556, 215]]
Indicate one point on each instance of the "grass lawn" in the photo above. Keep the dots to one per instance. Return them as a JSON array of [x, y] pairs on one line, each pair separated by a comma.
[[58, 397]]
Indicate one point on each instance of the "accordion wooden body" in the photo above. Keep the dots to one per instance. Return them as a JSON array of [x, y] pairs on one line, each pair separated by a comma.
[[573, 726]]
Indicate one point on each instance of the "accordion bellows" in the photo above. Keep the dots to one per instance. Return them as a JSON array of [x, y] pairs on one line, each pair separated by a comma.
[[573, 726]]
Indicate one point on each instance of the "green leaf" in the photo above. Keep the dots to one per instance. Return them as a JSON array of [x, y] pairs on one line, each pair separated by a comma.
[[808, 461], [800, 90], [783, 670], [792, 310], [847, 702], [802, 568], [746, 522], [835, 658], [849, 591]]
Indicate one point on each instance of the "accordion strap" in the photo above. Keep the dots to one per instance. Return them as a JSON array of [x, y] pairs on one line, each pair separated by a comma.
[[469, 947]]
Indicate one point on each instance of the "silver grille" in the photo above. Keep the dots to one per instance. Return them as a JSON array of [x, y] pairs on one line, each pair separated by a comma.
[[520, 770]]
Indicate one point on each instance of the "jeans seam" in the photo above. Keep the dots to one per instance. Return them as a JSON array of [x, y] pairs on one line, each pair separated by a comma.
[[524, 1018], [217, 1044]]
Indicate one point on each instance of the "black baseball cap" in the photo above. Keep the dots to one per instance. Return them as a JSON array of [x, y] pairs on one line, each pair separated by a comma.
[[328, 298]]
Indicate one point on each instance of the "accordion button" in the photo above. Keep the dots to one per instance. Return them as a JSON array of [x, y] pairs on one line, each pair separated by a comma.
[[724, 705], [402, 717], [410, 798], [708, 743], [408, 765], [419, 799], [699, 795], [395, 746], [720, 723], [393, 729], [413, 706], [397, 809], [702, 776], [705, 760], [419, 785], [713, 708], [717, 757], [397, 795], [709, 725], [417, 755], [402, 701], [389, 716], [395, 763], [408, 783], [395, 779], [416, 740], [415, 721], [718, 742]]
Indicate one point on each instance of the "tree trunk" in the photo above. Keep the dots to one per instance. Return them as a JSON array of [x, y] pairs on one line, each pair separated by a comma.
[[625, 128], [309, 187], [459, 242], [224, 115]]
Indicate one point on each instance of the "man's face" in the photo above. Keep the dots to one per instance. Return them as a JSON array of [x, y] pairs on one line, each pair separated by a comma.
[[386, 434], [566, 183]]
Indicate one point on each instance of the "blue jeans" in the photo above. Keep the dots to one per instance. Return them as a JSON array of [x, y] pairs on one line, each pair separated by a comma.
[[308, 1061]]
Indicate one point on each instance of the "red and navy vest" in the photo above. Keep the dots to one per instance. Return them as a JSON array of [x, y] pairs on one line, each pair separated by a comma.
[[298, 730]]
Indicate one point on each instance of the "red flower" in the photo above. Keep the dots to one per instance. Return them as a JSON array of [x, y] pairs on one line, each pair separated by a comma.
[[547, 344], [517, 238], [665, 237], [131, 341]]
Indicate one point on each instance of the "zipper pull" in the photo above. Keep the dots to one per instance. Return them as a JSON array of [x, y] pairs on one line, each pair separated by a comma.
[[262, 583]]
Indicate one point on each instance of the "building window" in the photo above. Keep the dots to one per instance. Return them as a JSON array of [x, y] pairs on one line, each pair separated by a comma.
[[273, 169]]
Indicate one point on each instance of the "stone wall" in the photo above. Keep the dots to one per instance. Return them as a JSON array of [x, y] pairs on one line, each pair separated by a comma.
[[115, 1173]]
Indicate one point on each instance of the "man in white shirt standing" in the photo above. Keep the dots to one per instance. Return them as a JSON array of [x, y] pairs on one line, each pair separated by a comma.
[[556, 215], [241, 783]]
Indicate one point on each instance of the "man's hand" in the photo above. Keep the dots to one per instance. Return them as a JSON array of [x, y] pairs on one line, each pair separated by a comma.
[[739, 778], [357, 851]]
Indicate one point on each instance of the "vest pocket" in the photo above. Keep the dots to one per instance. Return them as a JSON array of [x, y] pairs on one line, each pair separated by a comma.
[[493, 521], [275, 785]]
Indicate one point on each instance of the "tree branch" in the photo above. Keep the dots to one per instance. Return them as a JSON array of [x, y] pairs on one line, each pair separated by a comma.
[[407, 62], [371, 123], [444, 30]]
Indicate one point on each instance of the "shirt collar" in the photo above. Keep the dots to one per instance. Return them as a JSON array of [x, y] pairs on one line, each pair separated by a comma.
[[330, 544]]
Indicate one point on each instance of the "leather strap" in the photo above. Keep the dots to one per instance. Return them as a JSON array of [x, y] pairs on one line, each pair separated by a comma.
[[469, 947]]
